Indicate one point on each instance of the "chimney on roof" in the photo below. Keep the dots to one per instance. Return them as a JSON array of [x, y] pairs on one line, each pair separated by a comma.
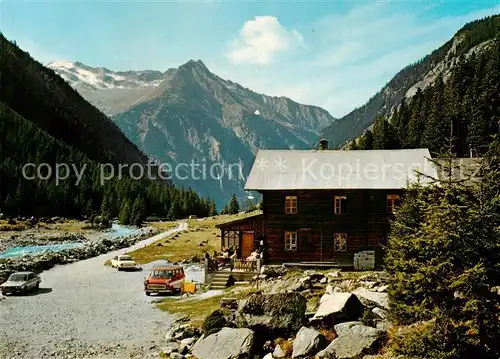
[[323, 144]]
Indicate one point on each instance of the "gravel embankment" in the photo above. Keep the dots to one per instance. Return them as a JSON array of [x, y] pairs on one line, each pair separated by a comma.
[[84, 310]]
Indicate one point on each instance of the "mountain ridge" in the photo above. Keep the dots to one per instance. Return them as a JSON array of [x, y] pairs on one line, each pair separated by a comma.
[[58, 151], [471, 35], [193, 114]]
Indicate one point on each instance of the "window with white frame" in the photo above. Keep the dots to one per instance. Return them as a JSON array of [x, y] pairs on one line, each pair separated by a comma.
[[290, 241], [291, 204], [340, 204], [340, 242], [392, 203]]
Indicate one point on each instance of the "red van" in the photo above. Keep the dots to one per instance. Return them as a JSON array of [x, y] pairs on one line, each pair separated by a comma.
[[164, 279]]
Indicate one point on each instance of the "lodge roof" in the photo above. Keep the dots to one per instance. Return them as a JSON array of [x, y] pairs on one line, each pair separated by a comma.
[[339, 169], [240, 220]]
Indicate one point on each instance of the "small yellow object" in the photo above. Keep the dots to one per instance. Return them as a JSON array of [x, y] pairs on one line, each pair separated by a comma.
[[189, 287]]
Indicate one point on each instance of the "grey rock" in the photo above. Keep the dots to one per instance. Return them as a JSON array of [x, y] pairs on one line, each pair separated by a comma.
[[170, 347], [380, 312], [186, 344], [272, 271], [278, 352], [323, 280], [385, 325], [353, 341], [342, 306], [344, 328], [281, 313], [308, 341], [268, 356], [176, 355], [381, 299], [382, 288], [228, 343]]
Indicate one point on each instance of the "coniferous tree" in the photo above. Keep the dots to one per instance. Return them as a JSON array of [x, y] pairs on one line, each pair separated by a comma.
[[442, 255], [125, 213], [175, 210], [384, 136], [233, 206], [138, 211], [366, 141], [212, 211]]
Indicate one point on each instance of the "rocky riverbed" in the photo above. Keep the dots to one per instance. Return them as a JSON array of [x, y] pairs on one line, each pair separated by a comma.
[[90, 248], [83, 309]]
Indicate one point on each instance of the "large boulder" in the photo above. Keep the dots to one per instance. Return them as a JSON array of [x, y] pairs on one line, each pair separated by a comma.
[[228, 343], [307, 342], [378, 298], [354, 340], [276, 314], [272, 271], [215, 322], [340, 306]]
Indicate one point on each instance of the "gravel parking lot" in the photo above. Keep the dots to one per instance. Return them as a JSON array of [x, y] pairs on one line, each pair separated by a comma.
[[84, 310]]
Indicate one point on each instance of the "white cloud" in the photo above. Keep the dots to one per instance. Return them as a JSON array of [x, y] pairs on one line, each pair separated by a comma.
[[260, 40]]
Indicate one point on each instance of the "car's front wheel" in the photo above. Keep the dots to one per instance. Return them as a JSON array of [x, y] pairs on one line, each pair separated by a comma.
[[37, 286], [148, 294]]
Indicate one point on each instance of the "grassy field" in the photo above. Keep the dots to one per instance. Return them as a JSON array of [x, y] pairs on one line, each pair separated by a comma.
[[197, 309], [200, 237], [162, 226]]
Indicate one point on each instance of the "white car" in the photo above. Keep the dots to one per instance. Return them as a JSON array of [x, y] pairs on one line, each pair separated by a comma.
[[21, 282], [123, 262]]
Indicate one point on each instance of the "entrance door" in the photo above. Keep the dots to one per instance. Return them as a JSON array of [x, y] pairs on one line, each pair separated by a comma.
[[246, 245]]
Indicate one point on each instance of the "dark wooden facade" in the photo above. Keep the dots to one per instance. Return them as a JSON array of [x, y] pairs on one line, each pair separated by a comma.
[[366, 223], [232, 232]]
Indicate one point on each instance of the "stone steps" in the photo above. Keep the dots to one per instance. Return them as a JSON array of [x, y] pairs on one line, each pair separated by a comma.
[[219, 281]]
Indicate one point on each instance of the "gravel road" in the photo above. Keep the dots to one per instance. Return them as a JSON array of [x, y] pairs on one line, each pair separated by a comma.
[[84, 310]]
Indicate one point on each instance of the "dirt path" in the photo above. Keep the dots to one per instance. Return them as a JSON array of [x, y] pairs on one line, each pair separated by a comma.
[[84, 310]]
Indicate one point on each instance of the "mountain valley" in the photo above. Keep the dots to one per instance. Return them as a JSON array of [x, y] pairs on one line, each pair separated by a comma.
[[189, 115]]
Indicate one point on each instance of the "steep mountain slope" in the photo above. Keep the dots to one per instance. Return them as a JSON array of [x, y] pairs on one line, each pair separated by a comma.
[[196, 117], [465, 108], [40, 96], [46, 124], [472, 38]]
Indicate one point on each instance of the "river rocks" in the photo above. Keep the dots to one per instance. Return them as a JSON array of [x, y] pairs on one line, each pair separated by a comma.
[[228, 343], [342, 306], [308, 341], [354, 339], [36, 239], [280, 313], [40, 262]]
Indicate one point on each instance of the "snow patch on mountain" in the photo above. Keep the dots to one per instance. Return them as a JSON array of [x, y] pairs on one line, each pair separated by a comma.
[[79, 75]]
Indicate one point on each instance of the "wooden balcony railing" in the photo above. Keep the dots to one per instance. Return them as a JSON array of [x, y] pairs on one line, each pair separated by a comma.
[[242, 265]]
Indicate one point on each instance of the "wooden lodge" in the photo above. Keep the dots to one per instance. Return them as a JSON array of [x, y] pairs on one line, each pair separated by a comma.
[[243, 234], [325, 206]]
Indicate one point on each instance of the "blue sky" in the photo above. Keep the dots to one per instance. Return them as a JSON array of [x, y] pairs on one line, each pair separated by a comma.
[[334, 54]]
